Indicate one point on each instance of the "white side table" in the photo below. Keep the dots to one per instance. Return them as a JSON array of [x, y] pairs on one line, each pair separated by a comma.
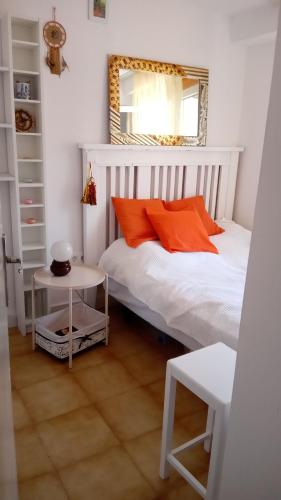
[[208, 373], [80, 277]]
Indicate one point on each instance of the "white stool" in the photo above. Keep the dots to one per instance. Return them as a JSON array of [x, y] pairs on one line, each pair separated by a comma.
[[208, 373]]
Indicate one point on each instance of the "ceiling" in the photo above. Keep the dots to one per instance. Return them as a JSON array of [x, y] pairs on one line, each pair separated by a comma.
[[234, 6]]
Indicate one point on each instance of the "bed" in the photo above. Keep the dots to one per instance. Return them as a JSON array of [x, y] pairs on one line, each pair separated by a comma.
[[194, 297]]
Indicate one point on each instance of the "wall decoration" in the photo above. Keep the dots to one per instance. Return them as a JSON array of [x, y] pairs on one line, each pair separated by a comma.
[[98, 10], [55, 37], [141, 113], [89, 195], [24, 120]]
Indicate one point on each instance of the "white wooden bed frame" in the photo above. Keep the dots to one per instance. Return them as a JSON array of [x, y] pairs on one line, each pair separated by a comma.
[[153, 172]]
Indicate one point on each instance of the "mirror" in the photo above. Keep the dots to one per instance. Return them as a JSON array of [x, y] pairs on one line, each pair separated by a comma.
[[157, 103]]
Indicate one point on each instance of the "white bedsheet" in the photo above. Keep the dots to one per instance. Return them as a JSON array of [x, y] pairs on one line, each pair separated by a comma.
[[198, 293]]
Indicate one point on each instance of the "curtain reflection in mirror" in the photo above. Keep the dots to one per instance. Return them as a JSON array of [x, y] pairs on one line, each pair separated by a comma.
[[157, 103]]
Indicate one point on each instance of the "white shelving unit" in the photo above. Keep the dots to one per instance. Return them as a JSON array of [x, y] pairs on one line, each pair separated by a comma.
[[24, 163]]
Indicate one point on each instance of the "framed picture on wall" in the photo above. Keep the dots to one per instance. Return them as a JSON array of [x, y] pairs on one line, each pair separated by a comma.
[[98, 10]]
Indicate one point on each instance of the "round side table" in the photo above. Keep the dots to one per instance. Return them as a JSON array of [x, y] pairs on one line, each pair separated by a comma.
[[80, 277]]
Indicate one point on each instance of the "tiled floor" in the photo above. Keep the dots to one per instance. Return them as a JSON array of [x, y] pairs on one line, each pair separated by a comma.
[[94, 433]]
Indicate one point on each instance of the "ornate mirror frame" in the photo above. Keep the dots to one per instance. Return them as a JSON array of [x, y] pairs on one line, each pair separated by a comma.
[[123, 62]]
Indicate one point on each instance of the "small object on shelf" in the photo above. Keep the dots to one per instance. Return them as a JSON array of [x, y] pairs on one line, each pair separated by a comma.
[[27, 201], [23, 90], [31, 220], [65, 331], [61, 251], [55, 36], [24, 120], [89, 196], [28, 180]]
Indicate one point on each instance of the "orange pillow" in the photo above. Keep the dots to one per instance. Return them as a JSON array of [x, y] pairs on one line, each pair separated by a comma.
[[196, 203], [181, 231], [133, 219]]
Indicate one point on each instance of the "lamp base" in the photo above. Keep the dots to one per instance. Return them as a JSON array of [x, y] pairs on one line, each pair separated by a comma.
[[60, 268]]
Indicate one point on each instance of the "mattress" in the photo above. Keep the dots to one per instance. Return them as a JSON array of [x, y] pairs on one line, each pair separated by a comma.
[[198, 294]]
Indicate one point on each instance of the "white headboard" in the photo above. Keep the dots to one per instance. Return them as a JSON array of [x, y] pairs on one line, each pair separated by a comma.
[[153, 172]]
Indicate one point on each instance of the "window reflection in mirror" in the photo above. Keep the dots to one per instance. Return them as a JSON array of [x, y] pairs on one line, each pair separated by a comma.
[[157, 103]]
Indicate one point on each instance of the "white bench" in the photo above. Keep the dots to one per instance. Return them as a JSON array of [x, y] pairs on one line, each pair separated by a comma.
[[208, 373]]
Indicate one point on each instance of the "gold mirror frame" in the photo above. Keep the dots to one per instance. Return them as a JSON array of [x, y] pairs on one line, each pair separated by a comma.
[[123, 62]]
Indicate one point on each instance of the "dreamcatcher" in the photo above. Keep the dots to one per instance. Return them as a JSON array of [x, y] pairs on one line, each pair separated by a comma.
[[55, 37], [89, 196]]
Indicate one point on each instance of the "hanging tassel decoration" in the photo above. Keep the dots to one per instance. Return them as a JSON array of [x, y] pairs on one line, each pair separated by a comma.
[[89, 196]]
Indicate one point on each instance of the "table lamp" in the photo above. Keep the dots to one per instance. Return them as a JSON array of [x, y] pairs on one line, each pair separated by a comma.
[[61, 251]]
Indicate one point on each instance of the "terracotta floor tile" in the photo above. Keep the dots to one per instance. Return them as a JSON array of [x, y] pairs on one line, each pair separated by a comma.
[[19, 344], [31, 368], [81, 439], [196, 460], [108, 476], [75, 435], [186, 402], [146, 366], [195, 423], [44, 487], [53, 397], [180, 492], [21, 417], [131, 414], [92, 357], [32, 459], [124, 343], [106, 380], [145, 452]]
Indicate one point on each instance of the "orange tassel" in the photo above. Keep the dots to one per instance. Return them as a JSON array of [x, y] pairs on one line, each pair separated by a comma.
[[90, 196]]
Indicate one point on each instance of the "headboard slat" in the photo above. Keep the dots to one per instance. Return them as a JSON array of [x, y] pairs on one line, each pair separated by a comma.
[[213, 189], [191, 174], [131, 181], [172, 190], [207, 185]]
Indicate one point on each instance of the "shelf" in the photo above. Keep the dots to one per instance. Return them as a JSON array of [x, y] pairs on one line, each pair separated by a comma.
[[24, 44], [33, 246], [31, 205], [25, 72], [29, 160], [37, 134], [27, 101], [36, 224], [31, 184], [33, 264], [21, 63], [6, 177]]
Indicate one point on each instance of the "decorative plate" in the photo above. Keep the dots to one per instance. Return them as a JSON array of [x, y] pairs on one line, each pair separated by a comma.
[[24, 120]]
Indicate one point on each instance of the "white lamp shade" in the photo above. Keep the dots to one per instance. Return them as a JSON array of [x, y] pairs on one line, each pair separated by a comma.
[[61, 251]]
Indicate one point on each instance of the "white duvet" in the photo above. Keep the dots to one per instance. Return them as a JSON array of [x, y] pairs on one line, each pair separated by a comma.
[[198, 293]]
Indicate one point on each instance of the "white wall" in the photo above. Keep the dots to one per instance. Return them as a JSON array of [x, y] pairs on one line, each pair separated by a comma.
[[253, 459], [257, 81], [76, 106]]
